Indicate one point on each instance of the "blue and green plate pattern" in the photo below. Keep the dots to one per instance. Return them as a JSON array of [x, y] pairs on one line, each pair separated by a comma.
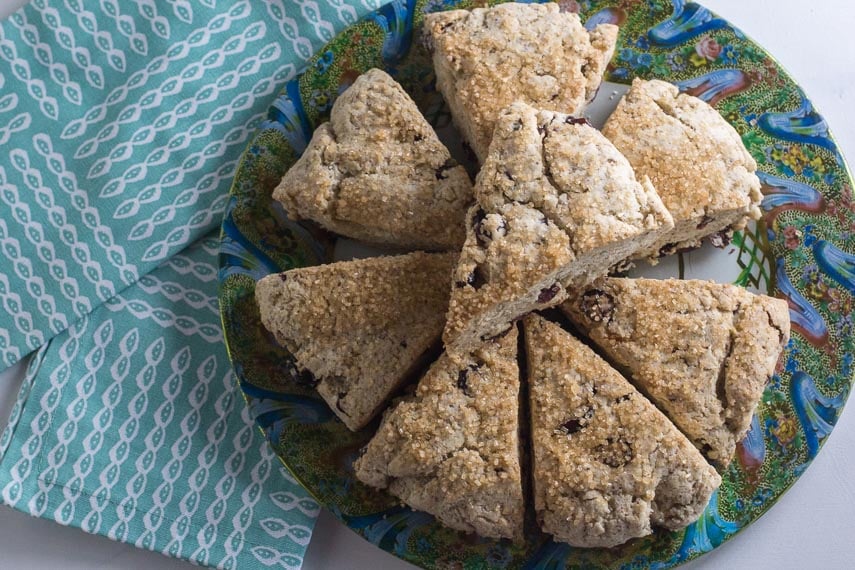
[[803, 250]]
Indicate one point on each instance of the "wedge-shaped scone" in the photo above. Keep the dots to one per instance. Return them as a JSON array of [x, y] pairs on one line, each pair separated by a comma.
[[487, 58], [361, 328], [696, 160], [608, 466], [377, 172], [701, 351], [557, 206], [452, 449]]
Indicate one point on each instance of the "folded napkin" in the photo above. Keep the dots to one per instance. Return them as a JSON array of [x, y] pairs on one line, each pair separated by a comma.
[[130, 424], [121, 125]]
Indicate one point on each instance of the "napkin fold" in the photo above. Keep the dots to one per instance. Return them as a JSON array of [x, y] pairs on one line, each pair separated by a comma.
[[123, 123], [130, 424]]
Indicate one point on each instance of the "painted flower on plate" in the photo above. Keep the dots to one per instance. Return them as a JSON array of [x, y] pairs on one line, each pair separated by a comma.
[[792, 237], [708, 48]]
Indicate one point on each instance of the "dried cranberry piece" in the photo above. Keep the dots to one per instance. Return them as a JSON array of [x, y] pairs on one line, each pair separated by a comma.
[[546, 295], [577, 423], [476, 279], [577, 121], [462, 384], [721, 239], [597, 305], [668, 249], [571, 426]]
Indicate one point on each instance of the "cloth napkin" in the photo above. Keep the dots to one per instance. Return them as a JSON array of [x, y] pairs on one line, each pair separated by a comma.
[[121, 126], [130, 424], [123, 123]]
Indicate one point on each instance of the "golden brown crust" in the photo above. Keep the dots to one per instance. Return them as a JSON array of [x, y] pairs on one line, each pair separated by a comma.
[[557, 206], [377, 172], [701, 351], [360, 327], [603, 41], [452, 449], [487, 58], [696, 160], [607, 464]]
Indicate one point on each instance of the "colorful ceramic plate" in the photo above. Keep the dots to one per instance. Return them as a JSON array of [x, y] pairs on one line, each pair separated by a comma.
[[803, 250]]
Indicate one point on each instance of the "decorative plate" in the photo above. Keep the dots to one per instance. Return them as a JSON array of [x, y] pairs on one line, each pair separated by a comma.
[[802, 250]]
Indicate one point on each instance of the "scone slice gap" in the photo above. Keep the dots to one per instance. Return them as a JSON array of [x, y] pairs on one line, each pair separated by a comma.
[[607, 465], [487, 58], [452, 449], [361, 328], [695, 159], [556, 207], [701, 351], [377, 172]]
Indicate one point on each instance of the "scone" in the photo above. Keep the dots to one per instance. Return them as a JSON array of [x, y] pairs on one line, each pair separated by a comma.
[[608, 466], [377, 172], [361, 328], [452, 449], [556, 207], [696, 160], [701, 351], [487, 58]]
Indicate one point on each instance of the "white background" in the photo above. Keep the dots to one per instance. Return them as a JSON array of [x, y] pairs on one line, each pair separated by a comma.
[[812, 526]]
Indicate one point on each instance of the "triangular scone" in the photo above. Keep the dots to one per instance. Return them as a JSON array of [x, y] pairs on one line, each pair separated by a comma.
[[696, 160], [452, 449], [487, 58], [557, 206], [377, 172], [701, 351], [362, 327], [607, 464]]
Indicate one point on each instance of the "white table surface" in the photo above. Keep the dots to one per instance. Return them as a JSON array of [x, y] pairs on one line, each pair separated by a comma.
[[812, 526]]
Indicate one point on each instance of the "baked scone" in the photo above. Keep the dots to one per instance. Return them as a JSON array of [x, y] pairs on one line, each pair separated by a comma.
[[608, 466], [452, 449], [487, 58], [377, 172], [556, 207], [362, 327], [701, 351], [696, 160]]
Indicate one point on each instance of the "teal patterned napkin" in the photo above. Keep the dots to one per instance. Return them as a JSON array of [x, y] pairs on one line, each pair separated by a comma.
[[121, 124], [130, 424]]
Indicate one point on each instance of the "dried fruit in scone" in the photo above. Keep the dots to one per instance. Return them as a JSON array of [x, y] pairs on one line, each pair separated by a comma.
[[696, 160], [556, 207], [702, 351], [452, 449], [377, 172], [607, 465]]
